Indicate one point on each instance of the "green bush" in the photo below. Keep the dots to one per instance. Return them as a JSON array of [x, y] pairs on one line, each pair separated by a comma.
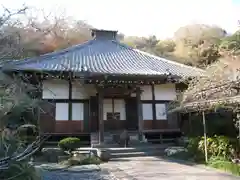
[[193, 149], [219, 146], [224, 164], [27, 133], [192, 146], [69, 144]]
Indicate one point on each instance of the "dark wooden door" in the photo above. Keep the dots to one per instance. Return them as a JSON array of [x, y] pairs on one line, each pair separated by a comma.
[[131, 114], [94, 114]]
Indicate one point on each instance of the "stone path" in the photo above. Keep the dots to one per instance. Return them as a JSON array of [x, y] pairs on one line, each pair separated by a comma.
[[153, 168]]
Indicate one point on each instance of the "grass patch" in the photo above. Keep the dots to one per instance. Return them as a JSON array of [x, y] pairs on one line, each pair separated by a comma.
[[214, 162], [225, 165]]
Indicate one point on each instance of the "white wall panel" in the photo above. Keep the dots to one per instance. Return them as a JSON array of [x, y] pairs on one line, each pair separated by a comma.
[[119, 106], [161, 112], [146, 92], [55, 89], [77, 111], [61, 111], [147, 111], [79, 91], [165, 92]]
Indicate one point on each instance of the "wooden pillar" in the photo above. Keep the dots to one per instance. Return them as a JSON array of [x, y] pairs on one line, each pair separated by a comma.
[[190, 123], [205, 136], [100, 116], [154, 123], [70, 97], [140, 116]]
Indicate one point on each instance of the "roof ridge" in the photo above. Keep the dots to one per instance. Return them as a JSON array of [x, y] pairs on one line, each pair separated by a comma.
[[157, 57]]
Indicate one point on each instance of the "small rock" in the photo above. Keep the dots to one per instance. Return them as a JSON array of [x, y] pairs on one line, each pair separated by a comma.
[[104, 155], [236, 161], [124, 138], [174, 150]]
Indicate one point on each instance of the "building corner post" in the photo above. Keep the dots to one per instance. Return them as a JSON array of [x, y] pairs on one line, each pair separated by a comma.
[[100, 116], [140, 115]]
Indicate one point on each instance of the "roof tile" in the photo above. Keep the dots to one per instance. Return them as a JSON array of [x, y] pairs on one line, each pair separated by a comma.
[[105, 56]]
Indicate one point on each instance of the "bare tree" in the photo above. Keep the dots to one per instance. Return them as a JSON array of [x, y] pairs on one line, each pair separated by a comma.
[[15, 97], [9, 33]]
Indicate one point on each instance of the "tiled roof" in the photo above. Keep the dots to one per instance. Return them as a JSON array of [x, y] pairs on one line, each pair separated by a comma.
[[105, 56]]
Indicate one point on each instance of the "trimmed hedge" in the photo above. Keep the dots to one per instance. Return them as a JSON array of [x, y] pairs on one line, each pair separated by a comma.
[[69, 144]]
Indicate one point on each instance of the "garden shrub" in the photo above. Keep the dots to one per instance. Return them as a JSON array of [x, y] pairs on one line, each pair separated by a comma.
[[69, 144], [27, 133], [193, 145], [218, 146], [193, 149]]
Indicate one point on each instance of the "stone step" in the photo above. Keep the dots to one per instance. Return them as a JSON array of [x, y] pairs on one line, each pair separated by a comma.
[[142, 148], [136, 154], [145, 149]]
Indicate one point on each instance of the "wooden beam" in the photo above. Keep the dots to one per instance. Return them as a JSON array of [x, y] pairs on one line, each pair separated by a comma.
[[100, 115], [205, 136], [140, 116]]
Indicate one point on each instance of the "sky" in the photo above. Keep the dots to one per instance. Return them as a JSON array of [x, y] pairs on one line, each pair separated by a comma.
[[142, 17]]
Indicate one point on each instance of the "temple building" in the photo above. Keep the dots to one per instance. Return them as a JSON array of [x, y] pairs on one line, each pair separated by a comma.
[[105, 86]]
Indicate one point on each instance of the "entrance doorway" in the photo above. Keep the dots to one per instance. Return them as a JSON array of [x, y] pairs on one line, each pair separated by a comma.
[[131, 114]]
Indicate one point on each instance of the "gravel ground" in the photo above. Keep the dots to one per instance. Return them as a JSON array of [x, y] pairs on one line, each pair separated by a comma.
[[153, 168], [58, 175]]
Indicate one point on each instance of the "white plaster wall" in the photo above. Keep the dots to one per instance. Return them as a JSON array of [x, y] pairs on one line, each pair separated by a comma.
[[59, 89], [146, 92], [161, 112], [77, 111], [119, 106], [165, 92], [147, 111], [61, 111], [55, 89], [80, 91]]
